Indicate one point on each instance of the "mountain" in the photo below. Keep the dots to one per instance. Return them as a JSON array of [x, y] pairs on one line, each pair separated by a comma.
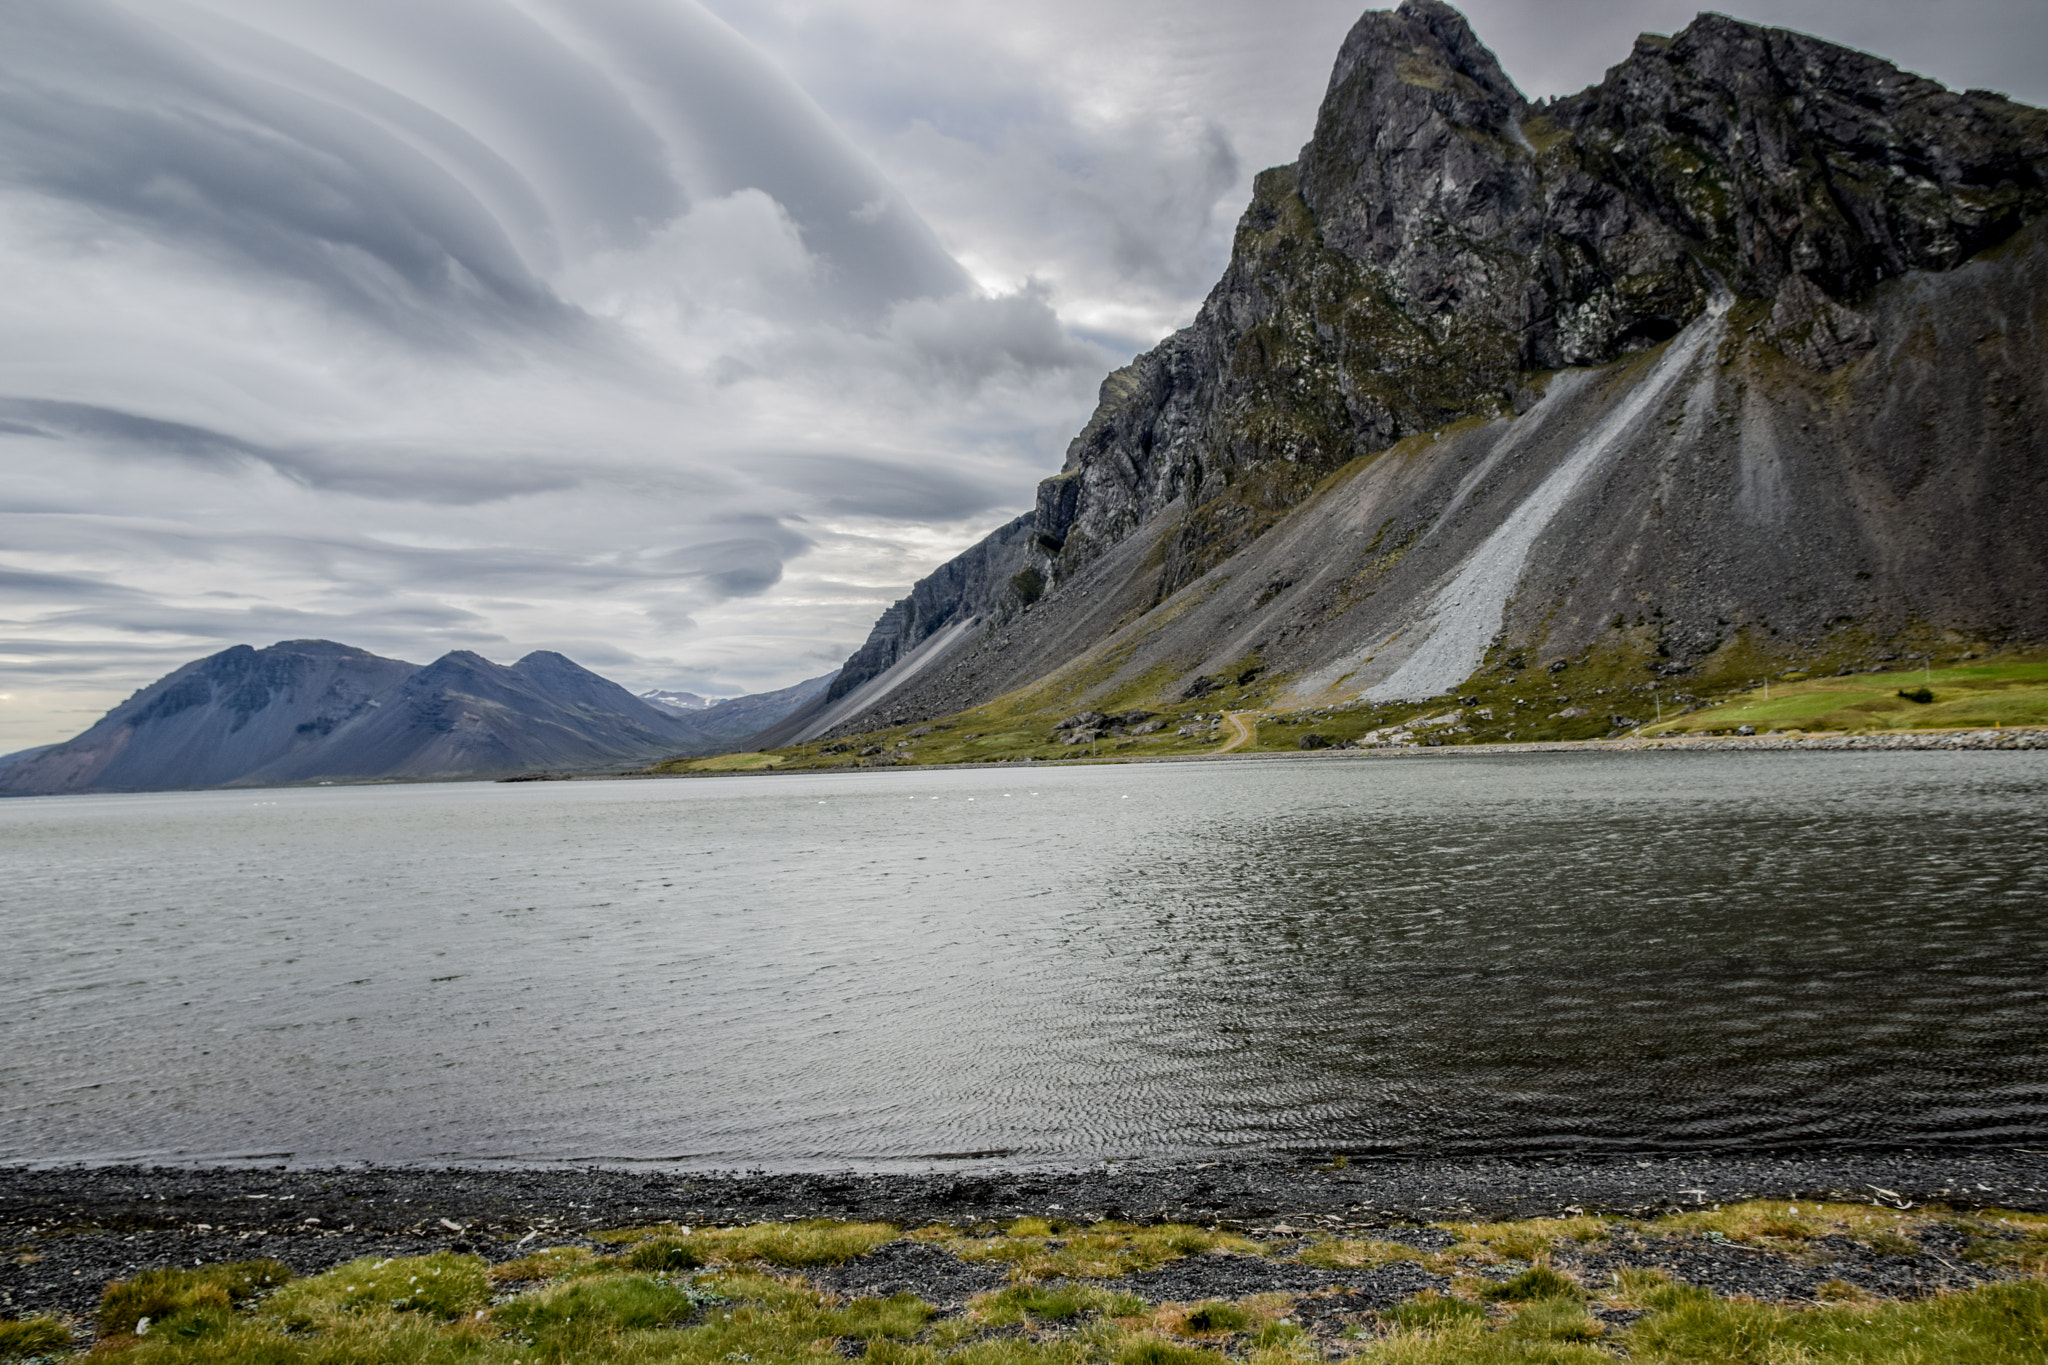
[[311, 710], [675, 703], [737, 722], [1728, 364]]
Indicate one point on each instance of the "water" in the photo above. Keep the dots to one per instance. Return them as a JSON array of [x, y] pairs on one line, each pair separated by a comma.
[[1552, 952]]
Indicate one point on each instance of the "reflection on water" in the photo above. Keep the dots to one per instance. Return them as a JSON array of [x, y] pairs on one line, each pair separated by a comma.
[[1446, 954]]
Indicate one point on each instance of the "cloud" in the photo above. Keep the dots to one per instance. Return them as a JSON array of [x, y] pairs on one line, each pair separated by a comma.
[[367, 472], [874, 487]]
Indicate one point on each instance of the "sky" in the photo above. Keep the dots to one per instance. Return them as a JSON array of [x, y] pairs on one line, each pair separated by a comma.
[[680, 336]]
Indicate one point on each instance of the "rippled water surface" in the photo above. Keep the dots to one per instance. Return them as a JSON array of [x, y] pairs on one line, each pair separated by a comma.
[[1435, 954]]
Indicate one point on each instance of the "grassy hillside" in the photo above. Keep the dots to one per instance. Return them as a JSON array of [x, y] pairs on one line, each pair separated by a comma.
[[1588, 698], [1955, 696]]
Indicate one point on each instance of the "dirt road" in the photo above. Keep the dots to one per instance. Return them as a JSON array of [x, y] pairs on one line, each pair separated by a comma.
[[1243, 725]]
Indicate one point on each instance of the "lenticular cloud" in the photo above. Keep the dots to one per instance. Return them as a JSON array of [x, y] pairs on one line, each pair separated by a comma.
[[476, 323]]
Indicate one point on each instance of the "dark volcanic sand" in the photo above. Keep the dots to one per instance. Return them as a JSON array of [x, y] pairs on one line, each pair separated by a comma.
[[68, 1231]]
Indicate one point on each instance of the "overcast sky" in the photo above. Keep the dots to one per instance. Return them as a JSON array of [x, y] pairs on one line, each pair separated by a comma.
[[679, 337]]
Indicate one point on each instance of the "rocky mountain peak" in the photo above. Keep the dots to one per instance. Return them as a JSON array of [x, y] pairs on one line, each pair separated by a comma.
[[1441, 250], [1418, 132], [1769, 152]]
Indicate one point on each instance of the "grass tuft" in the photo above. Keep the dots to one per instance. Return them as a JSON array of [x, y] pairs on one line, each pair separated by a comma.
[[156, 1297], [1537, 1282], [1769, 1222], [33, 1337], [607, 1303], [1209, 1318], [664, 1254], [1022, 1304], [2001, 1324], [1348, 1254], [1149, 1350], [1100, 1251], [1527, 1240], [817, 1241], [441, 1286], [549, 1263], [1429, 1311]]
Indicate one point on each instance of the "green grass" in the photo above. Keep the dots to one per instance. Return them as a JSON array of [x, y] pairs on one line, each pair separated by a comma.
[[1102, 1250], [1988, 1326], [159, 1297], [441, 1287], [558, 1307], [1525, 1240], [1784, 1225], [1021, 1304], [721, 763], [1536, 1283], [1966, 696], [817, 1241], [1356, 1254], [26, 1337]]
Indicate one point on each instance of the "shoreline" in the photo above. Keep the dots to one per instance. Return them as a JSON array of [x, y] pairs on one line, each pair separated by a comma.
[[1249, 1192], [1974, 740], [1868, 741], [83, 1226]]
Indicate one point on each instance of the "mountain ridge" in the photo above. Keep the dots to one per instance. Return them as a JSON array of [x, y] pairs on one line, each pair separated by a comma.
[[303, 711], [1444, 261]]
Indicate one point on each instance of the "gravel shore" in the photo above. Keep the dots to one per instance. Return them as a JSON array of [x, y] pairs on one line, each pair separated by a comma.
[[70, 1230]]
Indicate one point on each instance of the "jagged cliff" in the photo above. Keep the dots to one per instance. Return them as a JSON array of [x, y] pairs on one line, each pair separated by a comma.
[[1745, 342]]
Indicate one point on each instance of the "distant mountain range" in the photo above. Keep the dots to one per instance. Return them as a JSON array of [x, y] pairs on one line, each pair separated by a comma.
[[311, 710], [676, 703]]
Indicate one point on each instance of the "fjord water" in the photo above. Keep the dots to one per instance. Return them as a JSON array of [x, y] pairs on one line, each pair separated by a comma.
[[1438, 954]]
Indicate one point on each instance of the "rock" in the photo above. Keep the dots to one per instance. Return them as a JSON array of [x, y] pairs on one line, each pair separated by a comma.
[[1087, 720], [1745, 729], [1148, 728], [1312, 740], [1814, 329]]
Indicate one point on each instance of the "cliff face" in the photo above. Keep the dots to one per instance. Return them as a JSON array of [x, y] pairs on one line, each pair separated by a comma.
[[1779, 218]]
